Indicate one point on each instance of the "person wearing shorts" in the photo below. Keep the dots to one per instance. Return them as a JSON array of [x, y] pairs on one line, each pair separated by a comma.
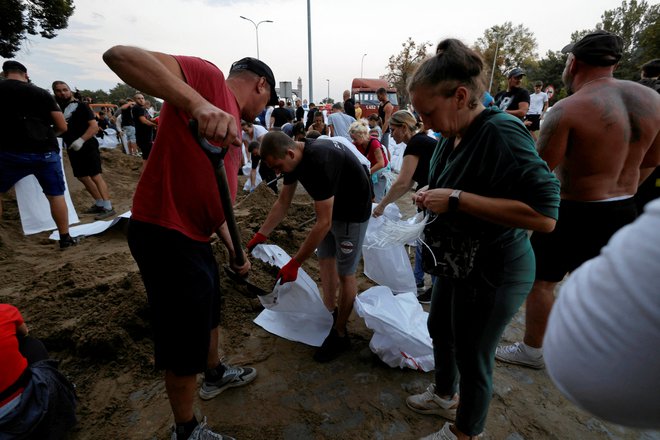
[[340, 186], [29, 146], [171, 225]]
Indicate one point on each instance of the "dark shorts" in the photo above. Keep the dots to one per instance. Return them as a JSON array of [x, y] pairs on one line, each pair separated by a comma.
[[182, 282], [582, 230], [344, 243], [536, 122], [46, 167], [86, 162]]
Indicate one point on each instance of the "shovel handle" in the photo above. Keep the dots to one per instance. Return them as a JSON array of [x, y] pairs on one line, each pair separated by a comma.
[[217, 157]]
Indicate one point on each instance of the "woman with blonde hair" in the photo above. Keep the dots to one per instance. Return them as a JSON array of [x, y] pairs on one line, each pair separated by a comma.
[[373, 150], [415, 167]]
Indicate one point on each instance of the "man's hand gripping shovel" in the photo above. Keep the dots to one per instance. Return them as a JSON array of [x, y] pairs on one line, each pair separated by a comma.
[[217, 157]]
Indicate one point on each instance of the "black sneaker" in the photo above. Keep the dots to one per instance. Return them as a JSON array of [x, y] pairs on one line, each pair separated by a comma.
[[333, 346], [425, 298], [105, 213], [94, 209], [69, 241]]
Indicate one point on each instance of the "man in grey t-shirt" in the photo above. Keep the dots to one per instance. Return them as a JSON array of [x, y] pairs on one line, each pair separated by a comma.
[[339, 121]]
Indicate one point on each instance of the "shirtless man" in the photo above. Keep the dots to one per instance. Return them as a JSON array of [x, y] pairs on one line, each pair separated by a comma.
[[602, 141]]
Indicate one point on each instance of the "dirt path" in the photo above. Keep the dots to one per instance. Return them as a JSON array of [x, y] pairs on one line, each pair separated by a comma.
[[88, 306]]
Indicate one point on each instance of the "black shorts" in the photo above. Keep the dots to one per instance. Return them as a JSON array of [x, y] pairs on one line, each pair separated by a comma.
[[582, 230], [182, 282], [86, 162], [144, 143], [536, 122]]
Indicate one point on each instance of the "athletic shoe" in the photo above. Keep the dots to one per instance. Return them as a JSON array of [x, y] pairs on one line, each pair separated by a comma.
[[333, 346], [202, 432], [232, 377], [94, 209], [425, 298], [105, 213], [520, 354], [429, 402], [444, 434], [69, 241], [420, 288]]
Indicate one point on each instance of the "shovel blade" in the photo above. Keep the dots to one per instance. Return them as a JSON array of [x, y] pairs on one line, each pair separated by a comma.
[[252, 289]]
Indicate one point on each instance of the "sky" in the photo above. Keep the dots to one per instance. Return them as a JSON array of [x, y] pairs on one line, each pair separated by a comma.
[[343, 31]]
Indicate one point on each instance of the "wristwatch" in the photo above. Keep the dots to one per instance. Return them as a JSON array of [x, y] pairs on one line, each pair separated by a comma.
[[454, 198]]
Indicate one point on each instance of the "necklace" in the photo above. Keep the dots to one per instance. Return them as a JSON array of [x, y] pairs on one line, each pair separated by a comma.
[[595, 79]]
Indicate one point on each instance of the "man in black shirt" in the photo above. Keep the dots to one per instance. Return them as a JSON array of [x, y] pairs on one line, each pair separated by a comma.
[[279, 117], [515, 100], [349, 104], [143, 125], [300, 111], [340, 186], [128, 125], [28, 144], [83, 149]]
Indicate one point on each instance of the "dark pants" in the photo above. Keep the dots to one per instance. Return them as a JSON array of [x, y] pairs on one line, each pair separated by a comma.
[[466, 320]]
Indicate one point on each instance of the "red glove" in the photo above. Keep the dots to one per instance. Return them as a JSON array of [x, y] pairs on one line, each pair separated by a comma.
[[289, 272], [257, 239]]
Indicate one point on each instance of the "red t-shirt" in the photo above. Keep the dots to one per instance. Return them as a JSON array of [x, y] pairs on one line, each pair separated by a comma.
[[12, 362], [369, 151], [178, 189]]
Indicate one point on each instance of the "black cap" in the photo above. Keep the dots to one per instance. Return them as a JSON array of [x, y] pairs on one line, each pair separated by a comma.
[[13, 65], [599, 48], [261, 69], [516, 71]]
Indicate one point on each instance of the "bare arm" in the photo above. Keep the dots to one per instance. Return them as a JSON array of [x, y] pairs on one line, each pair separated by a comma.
[[22, 330], [523, 107], [160, 75], [59, 123], [145, 121], [223, 233], [512, 213], [319, 230], [401, 185], [388, 112], [92, 129], [553, 138], [380, 161], [279, 209]]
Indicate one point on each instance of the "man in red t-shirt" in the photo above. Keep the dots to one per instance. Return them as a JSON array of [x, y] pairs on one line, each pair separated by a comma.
[[177, 208]]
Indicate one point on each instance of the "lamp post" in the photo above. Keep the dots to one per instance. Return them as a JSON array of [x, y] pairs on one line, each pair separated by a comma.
[[327, 101], [492, 72], [362, 65], [256, 29]]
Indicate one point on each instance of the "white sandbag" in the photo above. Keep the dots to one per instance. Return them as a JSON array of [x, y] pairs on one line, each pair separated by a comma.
[[401, 338], [109, 139], [33, 206], [247, 168], [387, 264], [295, 310]]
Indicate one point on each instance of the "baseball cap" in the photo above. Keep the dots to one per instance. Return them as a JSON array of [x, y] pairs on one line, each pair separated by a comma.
[[261, 69], [599, 48], [13, 65], [516, 71]]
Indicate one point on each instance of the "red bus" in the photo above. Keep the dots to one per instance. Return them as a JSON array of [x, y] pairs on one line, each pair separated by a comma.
[[364, 91]]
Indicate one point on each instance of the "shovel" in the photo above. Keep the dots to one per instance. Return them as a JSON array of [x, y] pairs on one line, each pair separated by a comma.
[[217, 157]]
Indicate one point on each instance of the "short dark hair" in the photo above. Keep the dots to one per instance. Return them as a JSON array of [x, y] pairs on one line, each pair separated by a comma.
[[381, 90], [275, 144], [651, 69], [252, 146]]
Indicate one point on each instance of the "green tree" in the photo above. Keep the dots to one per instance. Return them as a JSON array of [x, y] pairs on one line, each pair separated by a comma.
[[21, 18], [549, 70], [402, 65], [516, 47], [98, 96]]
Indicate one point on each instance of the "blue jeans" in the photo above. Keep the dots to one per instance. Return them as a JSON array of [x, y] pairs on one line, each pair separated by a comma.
[[46, 167]]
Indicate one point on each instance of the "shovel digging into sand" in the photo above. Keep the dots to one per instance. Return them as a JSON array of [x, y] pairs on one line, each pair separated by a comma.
[[217, 157]]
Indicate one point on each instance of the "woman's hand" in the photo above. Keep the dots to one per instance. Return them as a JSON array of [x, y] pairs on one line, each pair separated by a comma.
[[435, 200], [378, 210]]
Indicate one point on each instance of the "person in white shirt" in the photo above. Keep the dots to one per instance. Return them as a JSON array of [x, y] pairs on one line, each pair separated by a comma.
[[601, 347], [538, 104]]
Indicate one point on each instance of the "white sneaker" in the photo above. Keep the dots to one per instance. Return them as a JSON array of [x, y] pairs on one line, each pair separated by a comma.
[[520, 354], [232, 377], [444, 434], [430, 403], [202, 432]]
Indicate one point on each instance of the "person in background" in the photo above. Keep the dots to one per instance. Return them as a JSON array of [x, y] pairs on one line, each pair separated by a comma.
[[311, 113], [358, 111], [538, 104], [36, 401], [385, 110], [319, 124], [515, 99], [373, 150], [279, 117], [300, 111], [487, 187], [374, 123], [349, 104], [338, 121], [415, 168]]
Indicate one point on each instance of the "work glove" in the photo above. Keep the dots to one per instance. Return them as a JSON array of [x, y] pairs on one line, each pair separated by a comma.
[[257, 239], [289, 272], [77, 144]]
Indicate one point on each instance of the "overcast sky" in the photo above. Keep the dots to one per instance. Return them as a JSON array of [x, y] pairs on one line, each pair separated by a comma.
[[342, 32]]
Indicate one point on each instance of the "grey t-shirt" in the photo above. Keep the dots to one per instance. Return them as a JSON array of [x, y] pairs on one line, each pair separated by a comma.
[[340, 123]]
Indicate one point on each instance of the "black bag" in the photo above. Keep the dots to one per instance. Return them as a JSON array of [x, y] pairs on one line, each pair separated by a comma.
[[448, 252]]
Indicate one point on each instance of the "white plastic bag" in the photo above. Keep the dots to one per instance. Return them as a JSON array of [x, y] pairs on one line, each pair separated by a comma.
[[401, 338], [294, 310], [247, 168], [387, 264]]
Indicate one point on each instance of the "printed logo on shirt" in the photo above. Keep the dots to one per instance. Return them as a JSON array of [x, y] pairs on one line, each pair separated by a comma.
[[346, 247]]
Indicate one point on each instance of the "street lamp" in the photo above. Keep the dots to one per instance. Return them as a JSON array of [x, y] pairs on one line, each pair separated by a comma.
[[327, 101], [256, 28], [492, 72], [361, 65]]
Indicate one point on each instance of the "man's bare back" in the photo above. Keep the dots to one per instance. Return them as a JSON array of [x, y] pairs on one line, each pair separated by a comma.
[[602, 139]]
